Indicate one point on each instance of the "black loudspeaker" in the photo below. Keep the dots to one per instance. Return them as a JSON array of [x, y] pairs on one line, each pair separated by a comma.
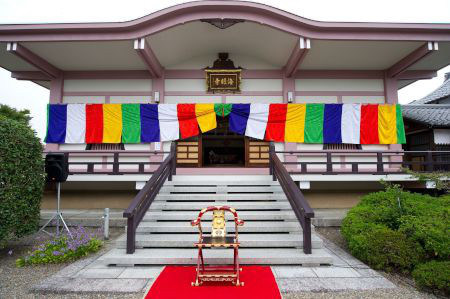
[[56, 167]]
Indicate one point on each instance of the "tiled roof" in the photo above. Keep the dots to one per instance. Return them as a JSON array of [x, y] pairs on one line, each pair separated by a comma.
[[441, 92], [430, 114]]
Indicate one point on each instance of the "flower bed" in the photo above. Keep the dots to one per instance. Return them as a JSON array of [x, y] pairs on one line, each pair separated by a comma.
[[63, 248]]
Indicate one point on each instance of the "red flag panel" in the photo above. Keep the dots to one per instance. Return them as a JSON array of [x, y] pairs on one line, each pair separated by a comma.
[[276, 122], [187, 120], [94, 123], [369, 124]]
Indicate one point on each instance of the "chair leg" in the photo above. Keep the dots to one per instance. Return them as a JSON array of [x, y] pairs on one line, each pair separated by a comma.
[[236, 252], [200, 257]]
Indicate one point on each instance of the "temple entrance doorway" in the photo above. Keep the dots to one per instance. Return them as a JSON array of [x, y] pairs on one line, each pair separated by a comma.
[[222, 148]]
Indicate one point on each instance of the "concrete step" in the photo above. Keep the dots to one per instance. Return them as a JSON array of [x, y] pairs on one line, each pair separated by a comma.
[[251, 227], [169, 256], [244, 215], [221, 197], [222, 180], [246, 240], [220, 189], [197, 206]]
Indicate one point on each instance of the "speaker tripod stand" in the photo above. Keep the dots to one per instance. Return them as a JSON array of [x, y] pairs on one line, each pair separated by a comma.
[[58, 216]]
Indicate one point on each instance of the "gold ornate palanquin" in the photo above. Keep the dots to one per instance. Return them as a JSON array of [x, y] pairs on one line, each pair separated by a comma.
[[218, 239]]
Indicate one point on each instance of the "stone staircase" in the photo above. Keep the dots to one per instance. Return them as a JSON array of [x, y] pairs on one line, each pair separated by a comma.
[[271, 234]]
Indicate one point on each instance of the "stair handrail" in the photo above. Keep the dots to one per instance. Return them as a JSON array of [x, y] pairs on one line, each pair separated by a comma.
[[142, 201], [301, 208]]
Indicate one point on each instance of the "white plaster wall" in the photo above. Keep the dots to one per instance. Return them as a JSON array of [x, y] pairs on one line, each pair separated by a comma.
[[339, 85], [262, 85], [185, 85], [130, 99], [316, 99], [113, 85], [83, 99], [192, 99], [253, 99], [363, 99]]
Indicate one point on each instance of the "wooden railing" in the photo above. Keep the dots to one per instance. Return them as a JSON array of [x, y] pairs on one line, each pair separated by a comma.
[[141, 203], [114, 167], [301, 208], [366, 162]]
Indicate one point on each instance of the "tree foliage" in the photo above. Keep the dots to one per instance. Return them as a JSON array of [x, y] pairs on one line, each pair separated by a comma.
[[14, 114], [22, 178]]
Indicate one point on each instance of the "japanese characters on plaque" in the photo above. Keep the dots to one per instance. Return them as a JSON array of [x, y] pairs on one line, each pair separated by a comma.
[[223, 81]]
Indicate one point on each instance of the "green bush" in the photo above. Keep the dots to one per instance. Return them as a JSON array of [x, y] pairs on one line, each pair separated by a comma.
[[433, 275], [395, 230], [21, 179], [63, 248], [386, 249]]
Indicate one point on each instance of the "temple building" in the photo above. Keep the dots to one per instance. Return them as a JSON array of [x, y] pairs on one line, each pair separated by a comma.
[[222, 80]]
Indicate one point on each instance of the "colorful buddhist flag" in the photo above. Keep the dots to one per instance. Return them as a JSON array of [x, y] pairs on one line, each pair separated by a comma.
[[149, 123], [222, 109], [314, 123], [276, 122], [369, 124], [94, 123], [206, 117], [332, 118], [387, 132], [187, 120], [401, 138], [57, 122], [351, 117], [76, 123], [131, 123], [257, 121], [112, 123], [239, 117], [295, 123], [168, 122]]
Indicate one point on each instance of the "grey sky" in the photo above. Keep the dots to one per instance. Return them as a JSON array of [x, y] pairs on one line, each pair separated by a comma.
[[28, 95]]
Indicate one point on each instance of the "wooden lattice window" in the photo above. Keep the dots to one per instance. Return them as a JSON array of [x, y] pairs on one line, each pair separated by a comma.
[[105, 147], [188, 152], [257, 153], [342, 146]]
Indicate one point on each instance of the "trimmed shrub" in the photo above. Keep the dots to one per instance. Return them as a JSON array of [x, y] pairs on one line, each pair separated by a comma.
[[433, 275], [21, 179], [395, 230]]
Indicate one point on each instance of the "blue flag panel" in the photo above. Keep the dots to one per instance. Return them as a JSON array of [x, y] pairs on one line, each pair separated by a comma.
[[238, 118], [149, 123], [332, 123], [57, 122]]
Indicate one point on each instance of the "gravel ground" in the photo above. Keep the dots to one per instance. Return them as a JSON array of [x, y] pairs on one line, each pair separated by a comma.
[[15, 282]]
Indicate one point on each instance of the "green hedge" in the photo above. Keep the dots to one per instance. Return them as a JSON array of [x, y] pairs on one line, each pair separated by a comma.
[[433, 275], [395, 230], [21, 179]]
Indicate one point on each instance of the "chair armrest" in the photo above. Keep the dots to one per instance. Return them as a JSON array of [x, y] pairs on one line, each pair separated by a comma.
[[195, 222]]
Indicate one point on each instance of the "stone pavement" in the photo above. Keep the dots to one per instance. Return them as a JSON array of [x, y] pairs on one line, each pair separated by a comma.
[[92, 275]]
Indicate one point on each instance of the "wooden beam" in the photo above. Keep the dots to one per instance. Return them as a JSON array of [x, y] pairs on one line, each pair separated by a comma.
[[417, 75], [145, 52], [412, 58], [38, 62], [30, 75], [297, 56]]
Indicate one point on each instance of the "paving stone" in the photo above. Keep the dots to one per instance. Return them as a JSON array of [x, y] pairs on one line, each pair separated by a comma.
[[88, 285], [75, 267], [112, 272], [325, 272], [333, 284], [292, 272], [367, 272], [141, 272]]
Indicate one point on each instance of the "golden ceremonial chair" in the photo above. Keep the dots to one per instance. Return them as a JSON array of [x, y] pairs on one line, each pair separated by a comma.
[[218, 239]]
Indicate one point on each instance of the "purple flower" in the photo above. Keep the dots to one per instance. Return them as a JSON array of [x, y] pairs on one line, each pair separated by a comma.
[[56, 252]]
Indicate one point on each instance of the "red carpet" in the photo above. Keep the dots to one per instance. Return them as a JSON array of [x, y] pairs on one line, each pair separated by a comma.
[[175, 282]]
